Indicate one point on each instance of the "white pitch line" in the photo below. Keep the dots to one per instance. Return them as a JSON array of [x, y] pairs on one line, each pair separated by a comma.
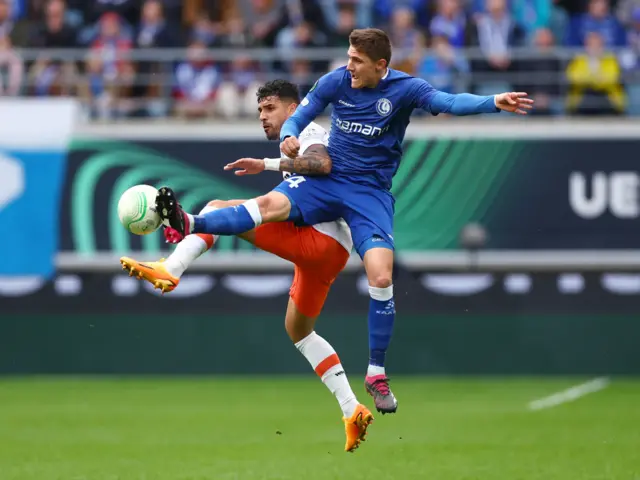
[[570, 394]]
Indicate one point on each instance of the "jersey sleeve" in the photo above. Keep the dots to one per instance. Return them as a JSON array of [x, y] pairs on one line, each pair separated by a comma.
[[314, 134], [424, 96], [320, 95]]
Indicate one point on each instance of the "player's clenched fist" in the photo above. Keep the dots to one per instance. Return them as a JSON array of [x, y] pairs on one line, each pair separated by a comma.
[[290, 147], [246, 166]]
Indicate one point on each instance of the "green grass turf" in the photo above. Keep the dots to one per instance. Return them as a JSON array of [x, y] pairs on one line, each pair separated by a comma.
[[217, 428]]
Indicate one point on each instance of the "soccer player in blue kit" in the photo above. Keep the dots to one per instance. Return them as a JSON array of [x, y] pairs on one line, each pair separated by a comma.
[[372, 104]]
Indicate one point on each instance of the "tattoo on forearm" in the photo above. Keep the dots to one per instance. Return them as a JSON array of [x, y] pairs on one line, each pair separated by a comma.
[[315, 161]]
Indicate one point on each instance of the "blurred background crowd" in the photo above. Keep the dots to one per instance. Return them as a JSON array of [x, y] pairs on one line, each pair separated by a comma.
[[203, 58]]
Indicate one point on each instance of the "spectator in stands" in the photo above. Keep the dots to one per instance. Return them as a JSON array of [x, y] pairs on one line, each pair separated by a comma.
[[594, 78], [264, 17], [74, 12], [301, 74], [382, 11], [196, 83], [539, 75], [496, 33], [54, 32], [98, 97], [53, 77], [406, 40], [597, 19], [443, 65], [362, 12], [450, 21], [346, 22], [236, 35], [207, 16], [629, 57], [532, 15], [153, 31], [625, 11], [633, 32], [204, 30], [237, 95], [11, 68], [112, 46], [6, 22], [110, 71], [128, 10], [303, 35]]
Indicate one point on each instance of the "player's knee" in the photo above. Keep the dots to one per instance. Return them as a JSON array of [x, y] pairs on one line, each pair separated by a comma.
[[381, 280], [297, 332], [216, 203], [274, 207], [298, 327]]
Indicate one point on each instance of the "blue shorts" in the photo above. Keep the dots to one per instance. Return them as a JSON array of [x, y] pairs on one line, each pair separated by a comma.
[[367, 211]]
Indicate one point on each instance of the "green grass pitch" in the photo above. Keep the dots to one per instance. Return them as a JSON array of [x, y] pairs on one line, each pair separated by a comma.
[[290, 428]]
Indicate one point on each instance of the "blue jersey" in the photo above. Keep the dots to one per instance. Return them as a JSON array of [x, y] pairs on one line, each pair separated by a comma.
[[368, 125]]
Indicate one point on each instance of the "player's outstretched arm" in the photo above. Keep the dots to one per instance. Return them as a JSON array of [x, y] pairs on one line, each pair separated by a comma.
[[435, 101], [314, 161], [468, 104]]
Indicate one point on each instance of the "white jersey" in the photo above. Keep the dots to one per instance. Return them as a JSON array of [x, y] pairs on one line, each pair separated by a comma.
[[314, 134]]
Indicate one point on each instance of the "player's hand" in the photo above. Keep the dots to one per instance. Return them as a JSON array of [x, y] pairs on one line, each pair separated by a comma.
[[290, 147], [246, 166], [515, 102]]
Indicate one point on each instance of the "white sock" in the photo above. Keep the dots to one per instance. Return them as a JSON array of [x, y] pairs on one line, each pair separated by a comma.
[[192, 222], [325, 362], [190, 248], [254, 211], [373, 370]]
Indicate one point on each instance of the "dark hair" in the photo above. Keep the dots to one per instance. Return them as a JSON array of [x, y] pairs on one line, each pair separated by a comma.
[[373, 42], [282, 89]]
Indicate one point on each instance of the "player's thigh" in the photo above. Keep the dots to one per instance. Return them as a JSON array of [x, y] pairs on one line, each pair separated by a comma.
[[321, 252], [309, 291], [313, 199], [281, 239], [370, 218]]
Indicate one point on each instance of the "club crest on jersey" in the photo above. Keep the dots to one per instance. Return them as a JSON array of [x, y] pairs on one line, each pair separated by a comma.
[[383, 107]]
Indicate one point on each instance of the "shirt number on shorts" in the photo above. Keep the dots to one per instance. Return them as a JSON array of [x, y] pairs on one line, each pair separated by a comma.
[[295, 181]]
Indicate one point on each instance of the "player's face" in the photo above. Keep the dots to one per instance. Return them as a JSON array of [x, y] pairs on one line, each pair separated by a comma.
[[273, 113], [364, 71]]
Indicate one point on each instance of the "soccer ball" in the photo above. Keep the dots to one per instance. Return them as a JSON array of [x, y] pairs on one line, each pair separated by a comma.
[[137, 210]]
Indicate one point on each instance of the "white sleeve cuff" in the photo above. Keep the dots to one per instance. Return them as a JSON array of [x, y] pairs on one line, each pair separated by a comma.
[[272, 164]]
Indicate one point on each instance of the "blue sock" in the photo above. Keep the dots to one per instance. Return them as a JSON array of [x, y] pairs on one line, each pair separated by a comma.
[[382, 313], [229, 220]]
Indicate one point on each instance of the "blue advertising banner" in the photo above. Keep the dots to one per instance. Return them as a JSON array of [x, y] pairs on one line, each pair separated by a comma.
[[33, 155]]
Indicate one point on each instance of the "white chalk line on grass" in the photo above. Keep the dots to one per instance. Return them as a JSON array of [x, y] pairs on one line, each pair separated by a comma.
[[570, 394]]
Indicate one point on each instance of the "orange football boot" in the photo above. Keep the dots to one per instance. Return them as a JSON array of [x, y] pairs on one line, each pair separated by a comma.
[[153, 272], [356, 427]]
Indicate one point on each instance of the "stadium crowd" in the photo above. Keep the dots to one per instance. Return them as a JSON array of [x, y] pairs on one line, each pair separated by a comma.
[[574, 56]]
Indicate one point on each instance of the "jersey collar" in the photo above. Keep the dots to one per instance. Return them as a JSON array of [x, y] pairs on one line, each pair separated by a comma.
[[386, 75]]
